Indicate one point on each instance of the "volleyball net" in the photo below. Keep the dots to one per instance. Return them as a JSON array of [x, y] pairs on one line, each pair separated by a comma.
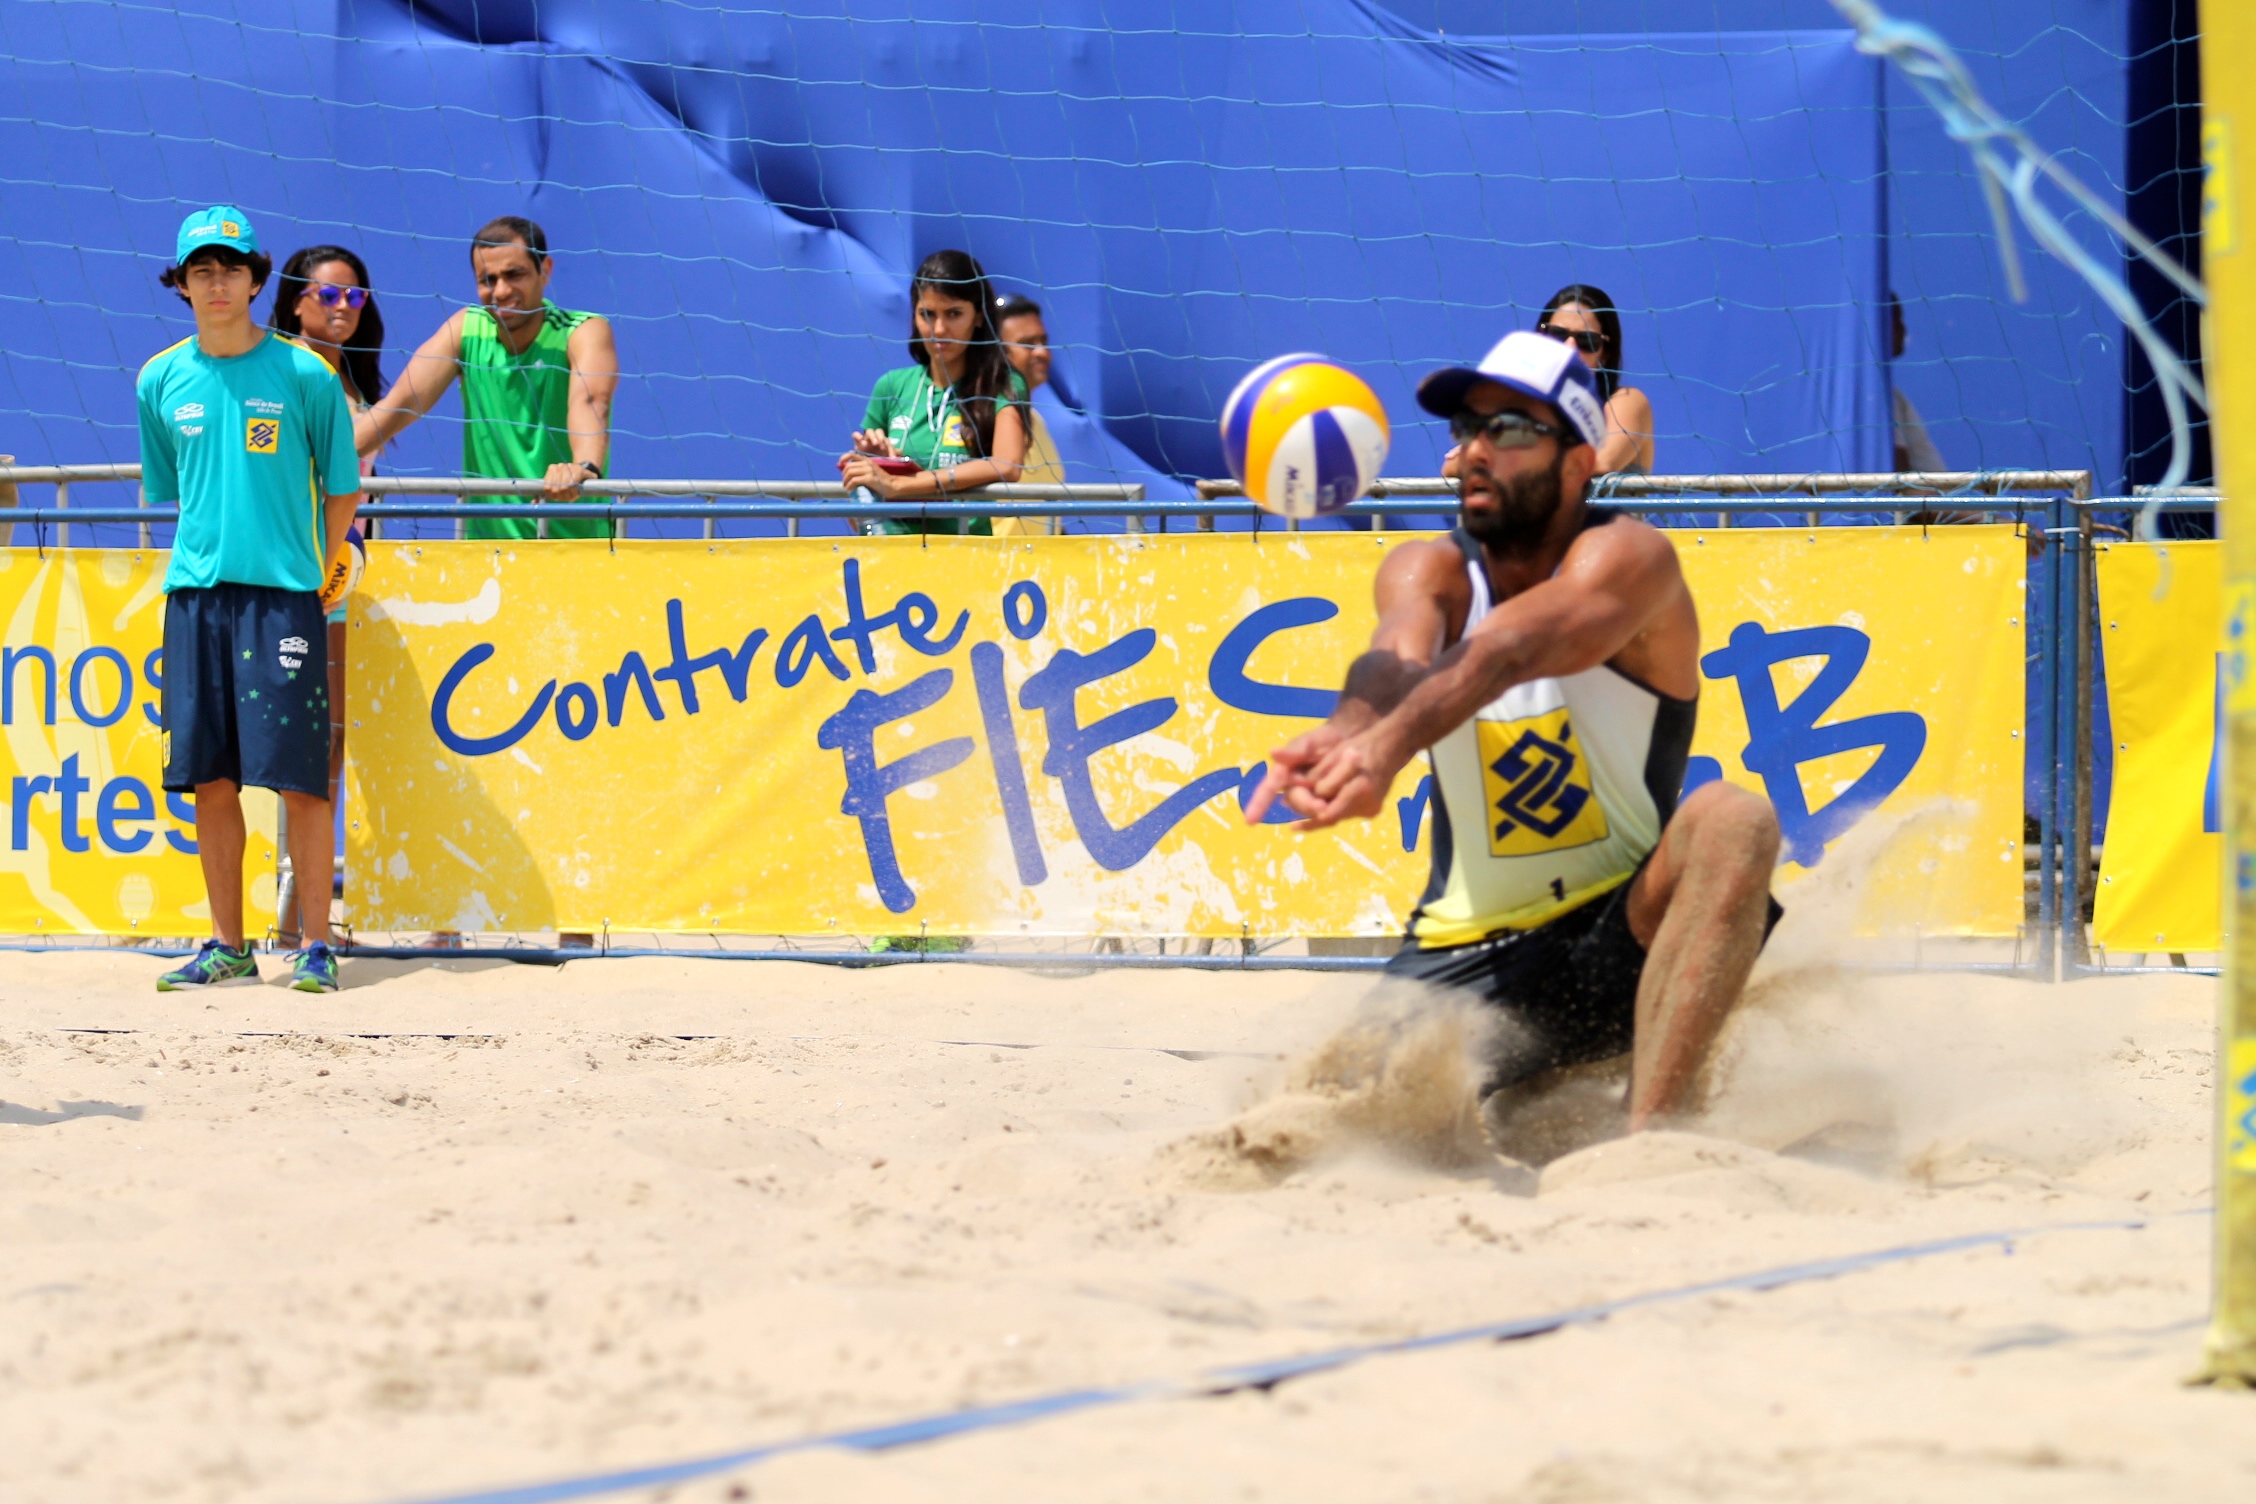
[[744, 191]]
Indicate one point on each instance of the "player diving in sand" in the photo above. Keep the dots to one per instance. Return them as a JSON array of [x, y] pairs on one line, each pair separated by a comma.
[[1545, 657]]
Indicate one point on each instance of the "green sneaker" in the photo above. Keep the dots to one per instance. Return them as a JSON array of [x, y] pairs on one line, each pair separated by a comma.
[[215, 965], [315, 969]]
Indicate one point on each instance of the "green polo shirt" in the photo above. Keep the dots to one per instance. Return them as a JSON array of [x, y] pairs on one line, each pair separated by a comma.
[[925, 424]]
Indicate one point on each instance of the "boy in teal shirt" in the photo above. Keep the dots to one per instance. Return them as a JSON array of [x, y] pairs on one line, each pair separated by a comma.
[[249, 433]]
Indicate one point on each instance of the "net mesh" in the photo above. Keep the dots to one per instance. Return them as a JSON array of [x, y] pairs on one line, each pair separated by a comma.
[[743, 191]]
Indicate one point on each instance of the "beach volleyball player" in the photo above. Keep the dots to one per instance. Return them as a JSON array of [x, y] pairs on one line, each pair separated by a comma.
[[1545, 657]]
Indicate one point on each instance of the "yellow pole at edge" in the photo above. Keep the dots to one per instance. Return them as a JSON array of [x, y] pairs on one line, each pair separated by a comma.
[[2228, 60]]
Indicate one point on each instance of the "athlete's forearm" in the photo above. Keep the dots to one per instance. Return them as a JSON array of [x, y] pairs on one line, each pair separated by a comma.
[[1444, 697], [1376, 684]]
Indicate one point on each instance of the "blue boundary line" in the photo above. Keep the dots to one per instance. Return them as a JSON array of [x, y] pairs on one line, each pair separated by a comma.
[[1262, 1375]]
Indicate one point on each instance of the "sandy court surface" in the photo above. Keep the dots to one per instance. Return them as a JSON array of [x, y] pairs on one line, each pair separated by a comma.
[[559, 1220]]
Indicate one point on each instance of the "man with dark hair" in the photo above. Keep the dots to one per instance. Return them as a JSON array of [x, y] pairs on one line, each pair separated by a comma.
[[537, 381], [248, 432], [1026, 345], [1546, 657]]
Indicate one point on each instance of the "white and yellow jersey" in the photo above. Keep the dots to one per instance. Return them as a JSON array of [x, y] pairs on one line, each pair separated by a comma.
[[1550, 796]]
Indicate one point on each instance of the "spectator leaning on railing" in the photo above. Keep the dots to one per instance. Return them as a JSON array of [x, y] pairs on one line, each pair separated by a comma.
[[537, 381], [324, 299], [955, 420], [1026, 344], [248, 432]]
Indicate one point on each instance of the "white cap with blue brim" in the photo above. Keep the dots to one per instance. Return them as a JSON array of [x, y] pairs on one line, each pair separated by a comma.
[[1544, 368]]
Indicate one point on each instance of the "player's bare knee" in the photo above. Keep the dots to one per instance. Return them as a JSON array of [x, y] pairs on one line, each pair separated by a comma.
[[1731, 830]]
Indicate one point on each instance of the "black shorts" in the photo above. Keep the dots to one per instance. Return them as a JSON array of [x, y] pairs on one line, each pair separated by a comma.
[[246, 689], [1569, 986]]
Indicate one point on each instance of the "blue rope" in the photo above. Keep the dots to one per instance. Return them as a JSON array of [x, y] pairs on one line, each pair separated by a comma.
[[1261, 1375]]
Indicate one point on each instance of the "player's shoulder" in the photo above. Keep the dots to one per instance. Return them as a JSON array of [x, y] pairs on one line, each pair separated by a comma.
[[571, 320], [1614, 538], [1435, 565], [157, 366]]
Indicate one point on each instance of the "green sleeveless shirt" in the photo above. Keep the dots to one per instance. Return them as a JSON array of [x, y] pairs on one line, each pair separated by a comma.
[[516, 412]]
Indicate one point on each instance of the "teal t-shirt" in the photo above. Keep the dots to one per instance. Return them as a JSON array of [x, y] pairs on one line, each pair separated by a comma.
[[249, 445], [922, 419]]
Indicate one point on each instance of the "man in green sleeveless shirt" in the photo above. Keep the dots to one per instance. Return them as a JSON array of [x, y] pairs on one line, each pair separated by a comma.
[[537, 381]]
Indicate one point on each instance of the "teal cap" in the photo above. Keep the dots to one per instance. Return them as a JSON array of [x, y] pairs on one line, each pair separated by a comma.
[[221, 225]]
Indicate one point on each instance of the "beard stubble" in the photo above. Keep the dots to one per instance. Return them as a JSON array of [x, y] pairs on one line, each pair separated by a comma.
[[1525, 505]]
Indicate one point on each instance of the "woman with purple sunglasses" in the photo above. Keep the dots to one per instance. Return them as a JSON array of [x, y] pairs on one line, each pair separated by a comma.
[[323, 300]]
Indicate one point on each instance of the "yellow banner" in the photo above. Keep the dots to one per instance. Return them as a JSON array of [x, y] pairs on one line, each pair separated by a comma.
[[1054, 735], [2161, 867], [1874, 674], [94, 844]]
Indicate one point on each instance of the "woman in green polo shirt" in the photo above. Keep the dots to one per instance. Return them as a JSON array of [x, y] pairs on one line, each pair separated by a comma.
[[959, 413]]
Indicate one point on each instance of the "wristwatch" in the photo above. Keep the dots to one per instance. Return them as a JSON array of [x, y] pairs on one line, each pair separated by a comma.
[[592, 468]]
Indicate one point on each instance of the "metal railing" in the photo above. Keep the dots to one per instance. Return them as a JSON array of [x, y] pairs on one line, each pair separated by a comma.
[[712, 500], [2057, 507]]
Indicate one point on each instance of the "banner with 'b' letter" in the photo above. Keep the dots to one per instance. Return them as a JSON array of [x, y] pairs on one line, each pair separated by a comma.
[[1056, 736]]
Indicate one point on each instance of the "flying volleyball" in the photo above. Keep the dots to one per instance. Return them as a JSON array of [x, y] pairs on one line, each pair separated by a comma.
[[1303, 436]]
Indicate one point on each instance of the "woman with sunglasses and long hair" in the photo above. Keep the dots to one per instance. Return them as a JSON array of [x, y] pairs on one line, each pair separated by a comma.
[[323, 301], [1584, 316], [957, 418]]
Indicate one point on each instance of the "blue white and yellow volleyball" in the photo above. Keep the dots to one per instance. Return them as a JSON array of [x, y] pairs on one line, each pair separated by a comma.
[[1303, 436]]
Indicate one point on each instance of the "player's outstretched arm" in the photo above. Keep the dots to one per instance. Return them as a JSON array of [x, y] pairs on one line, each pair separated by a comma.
[[430, 371], [594, 354], [1614, 582], [1420, 590]]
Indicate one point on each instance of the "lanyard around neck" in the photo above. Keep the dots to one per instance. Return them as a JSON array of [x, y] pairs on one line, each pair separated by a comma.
[[943, 399]]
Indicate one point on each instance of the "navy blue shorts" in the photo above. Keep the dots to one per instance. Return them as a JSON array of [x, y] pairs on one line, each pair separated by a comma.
[[1568, 986], [246, 689]]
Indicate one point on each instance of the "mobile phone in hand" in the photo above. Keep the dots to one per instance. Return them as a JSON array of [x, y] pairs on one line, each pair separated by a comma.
[[892, 466]]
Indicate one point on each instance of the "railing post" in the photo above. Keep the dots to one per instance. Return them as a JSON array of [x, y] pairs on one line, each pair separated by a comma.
[[2077, 849], [2046, 583], [62, 499]]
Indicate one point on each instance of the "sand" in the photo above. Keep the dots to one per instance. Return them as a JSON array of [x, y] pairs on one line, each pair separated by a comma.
[[557, 1220]]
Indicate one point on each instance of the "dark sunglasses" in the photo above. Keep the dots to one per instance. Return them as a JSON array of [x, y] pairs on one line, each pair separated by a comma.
[[1582, 339], [329, 294], [1509, 429]]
